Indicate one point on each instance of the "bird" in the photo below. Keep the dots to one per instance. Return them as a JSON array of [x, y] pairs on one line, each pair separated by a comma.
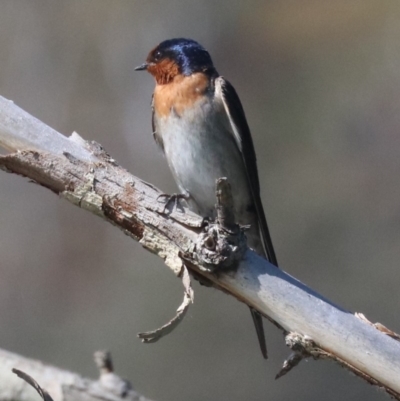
[[199, 123]]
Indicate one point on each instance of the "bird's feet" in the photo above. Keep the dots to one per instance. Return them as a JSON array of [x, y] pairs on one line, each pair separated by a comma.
[[172, 198]]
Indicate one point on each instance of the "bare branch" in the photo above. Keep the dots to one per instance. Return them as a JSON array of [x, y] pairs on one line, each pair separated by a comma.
[[19, 131], [57, 384], [96, 183]]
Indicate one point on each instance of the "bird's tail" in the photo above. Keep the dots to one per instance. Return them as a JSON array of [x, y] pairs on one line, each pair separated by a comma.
[[259, 239], [258, 323]]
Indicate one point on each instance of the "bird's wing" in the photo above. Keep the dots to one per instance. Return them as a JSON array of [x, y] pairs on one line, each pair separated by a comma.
[[241, 132], [156, 137]]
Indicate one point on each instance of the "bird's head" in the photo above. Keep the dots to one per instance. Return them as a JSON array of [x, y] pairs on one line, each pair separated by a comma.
[[175, 57]]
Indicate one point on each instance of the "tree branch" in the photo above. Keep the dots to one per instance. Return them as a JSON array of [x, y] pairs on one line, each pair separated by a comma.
[[60, 384], [85, 175]]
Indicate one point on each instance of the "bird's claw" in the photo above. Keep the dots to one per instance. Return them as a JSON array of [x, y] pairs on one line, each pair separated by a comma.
[[171, 198]]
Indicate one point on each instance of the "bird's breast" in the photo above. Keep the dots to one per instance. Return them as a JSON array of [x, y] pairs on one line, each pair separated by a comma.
[[180, 94], [200, 147]]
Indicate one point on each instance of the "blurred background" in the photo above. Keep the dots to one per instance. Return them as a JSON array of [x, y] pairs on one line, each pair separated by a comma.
[[320, 83]]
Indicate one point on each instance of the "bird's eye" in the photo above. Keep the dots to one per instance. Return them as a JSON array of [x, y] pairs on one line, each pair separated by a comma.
[[157, 55]]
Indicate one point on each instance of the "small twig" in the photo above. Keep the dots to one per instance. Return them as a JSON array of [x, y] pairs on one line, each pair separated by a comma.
[[225, 206], [108, 379], [293, 360], [379, 326], [154, 335], [24, 376], [103, 361], [222, 244]]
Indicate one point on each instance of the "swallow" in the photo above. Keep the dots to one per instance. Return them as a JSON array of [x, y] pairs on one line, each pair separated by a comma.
[[199, 123]]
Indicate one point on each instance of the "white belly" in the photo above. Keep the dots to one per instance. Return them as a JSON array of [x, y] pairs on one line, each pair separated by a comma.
[[200, 148]]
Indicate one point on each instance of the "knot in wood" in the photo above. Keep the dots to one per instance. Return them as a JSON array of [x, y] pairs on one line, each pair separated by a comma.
[[217, 248]]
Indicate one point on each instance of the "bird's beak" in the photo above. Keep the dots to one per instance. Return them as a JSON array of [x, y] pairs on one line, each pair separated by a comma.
[[142, 67]]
